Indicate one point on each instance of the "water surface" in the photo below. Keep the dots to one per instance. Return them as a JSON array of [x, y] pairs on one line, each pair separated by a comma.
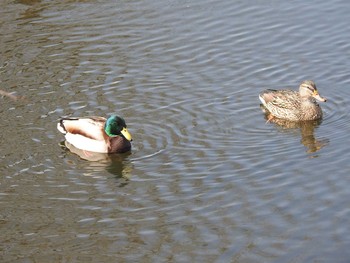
[[207, 179]]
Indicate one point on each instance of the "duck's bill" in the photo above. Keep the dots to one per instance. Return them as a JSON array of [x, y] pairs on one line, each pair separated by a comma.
[[318, 97], [126, 134]]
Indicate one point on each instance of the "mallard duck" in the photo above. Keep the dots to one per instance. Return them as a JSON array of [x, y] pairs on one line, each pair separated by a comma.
[[97, 134], [292, 105]]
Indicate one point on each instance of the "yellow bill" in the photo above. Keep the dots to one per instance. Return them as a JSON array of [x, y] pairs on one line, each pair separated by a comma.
[[126, 134]]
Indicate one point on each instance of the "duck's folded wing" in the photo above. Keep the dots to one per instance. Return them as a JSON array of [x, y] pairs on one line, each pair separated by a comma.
[[285, 99], [89, 127]]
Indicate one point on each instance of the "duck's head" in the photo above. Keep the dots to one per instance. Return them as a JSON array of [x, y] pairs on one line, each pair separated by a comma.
[[308, 89], [116, 126]]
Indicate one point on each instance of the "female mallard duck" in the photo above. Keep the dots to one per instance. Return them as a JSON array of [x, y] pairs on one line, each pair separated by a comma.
[[292, 105], [97, 134]]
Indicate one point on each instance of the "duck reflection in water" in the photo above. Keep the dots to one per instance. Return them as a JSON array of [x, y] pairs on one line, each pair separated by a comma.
[[307, 130], [116, 164]]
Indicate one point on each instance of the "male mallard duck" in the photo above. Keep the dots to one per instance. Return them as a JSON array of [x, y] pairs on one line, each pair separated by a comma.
[[96, 134], [292, 105]]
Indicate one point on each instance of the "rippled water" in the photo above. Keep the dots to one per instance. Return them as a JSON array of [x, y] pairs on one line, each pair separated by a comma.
[[207, 179]]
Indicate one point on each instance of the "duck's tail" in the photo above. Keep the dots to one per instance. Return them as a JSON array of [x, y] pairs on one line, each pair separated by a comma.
[[60, 127]]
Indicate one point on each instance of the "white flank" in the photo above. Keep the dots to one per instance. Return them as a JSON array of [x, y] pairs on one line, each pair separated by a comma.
[[87, 144]]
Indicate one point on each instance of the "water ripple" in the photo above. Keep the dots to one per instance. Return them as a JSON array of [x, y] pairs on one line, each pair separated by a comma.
[[207, 179]]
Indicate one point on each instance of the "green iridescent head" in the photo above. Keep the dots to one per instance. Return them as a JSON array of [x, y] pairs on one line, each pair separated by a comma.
[[116, 126]]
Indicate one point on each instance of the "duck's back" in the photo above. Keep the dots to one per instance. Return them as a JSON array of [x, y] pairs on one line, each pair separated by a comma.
[[90, 127], [284, 104]]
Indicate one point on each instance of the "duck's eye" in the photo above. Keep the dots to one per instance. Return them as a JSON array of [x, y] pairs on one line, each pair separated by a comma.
[[310, 88]]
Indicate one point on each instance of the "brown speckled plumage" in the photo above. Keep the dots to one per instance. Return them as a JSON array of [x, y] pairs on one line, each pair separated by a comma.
[[292, 105]]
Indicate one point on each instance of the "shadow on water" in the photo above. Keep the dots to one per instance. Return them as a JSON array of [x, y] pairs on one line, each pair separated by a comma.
[[115, 164], [307, 132], [33, 11], [28, 2]]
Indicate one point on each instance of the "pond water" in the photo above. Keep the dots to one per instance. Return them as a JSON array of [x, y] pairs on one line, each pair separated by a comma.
[[207, 180]]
